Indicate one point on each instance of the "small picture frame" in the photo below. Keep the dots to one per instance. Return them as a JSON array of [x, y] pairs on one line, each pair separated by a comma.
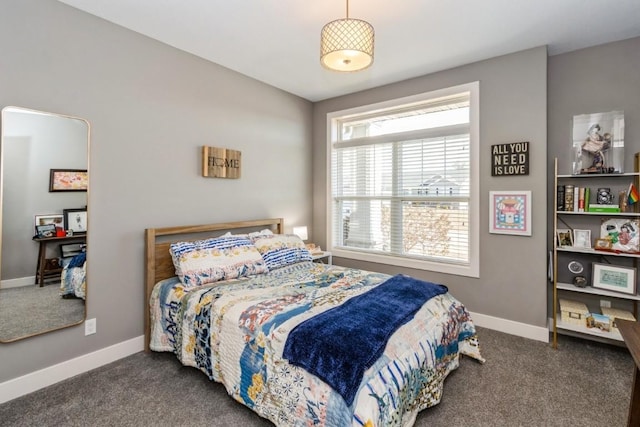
[[582, 238], [564, 237], [75, 220], [602, 244], [614, 278], [68, 180], [45, 231]]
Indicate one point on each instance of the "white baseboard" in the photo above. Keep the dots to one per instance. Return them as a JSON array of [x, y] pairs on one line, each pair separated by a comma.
[[538, 333], [16, 283], [33, 381]]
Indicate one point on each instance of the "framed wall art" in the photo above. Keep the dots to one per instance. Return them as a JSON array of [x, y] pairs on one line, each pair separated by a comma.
[[75, 220], [510, 212], [68, 180], [614, 278]]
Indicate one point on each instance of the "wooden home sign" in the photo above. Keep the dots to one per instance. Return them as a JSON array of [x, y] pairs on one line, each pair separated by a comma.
[[221, 162], [510, 159]]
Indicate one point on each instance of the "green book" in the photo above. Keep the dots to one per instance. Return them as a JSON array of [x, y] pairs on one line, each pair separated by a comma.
[[604, 208], [586, 199]]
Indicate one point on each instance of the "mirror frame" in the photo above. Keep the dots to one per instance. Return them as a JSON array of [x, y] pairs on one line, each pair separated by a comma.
[[3, 112]]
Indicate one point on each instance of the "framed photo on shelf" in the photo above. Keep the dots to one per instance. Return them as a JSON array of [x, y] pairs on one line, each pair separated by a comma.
[[602, 244], [582, 238], [45, 231], [68, 180], [623, 233], [614, 278], [565, 237], [510, 212], [75, 220]]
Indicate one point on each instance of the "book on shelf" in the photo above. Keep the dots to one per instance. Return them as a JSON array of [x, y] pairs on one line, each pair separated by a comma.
[[560, 198], [604, 208], [568, 197]]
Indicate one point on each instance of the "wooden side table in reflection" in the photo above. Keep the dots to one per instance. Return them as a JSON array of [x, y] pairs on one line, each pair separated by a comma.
[[42, 271]]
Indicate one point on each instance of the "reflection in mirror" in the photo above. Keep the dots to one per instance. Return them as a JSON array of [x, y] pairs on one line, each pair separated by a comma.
[[44, 183]]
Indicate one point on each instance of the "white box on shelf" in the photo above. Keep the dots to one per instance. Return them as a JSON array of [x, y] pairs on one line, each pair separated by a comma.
[[573, 312]]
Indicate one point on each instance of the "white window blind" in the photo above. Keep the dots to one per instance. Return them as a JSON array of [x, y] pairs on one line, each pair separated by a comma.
[[401, 182]]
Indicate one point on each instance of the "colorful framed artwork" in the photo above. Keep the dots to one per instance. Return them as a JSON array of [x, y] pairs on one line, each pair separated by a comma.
[[68, 180], [614, 278], [510, 212]]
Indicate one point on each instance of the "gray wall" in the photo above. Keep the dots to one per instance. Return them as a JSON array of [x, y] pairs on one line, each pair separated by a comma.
[[32, 145], [594, 80], [513, 99], [151, 108]]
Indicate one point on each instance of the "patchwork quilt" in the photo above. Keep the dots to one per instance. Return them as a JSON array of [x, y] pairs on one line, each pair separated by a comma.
[[73, 279], [235, 332]]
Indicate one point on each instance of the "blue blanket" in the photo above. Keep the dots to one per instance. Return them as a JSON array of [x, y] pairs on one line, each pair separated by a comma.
[[339, 345], [78, 260]]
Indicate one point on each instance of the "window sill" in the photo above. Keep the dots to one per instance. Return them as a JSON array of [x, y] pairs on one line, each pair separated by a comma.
[[458, 270]]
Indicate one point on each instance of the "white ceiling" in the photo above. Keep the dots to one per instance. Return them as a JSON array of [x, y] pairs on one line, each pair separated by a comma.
[[278, 41]]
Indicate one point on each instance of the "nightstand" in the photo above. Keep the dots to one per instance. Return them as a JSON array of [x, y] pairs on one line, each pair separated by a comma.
[[320, 256]]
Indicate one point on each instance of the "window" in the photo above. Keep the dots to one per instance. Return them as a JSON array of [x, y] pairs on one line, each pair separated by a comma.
[[404, 182]]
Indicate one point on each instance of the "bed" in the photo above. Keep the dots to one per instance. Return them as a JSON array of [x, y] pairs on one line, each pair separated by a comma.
[[73, 282], [254, 333]]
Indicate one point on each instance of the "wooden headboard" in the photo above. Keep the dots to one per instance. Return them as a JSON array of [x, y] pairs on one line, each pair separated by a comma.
[[159, 266]]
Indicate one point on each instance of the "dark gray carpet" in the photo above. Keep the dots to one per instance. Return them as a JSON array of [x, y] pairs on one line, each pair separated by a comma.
[[523, 383], [29, 310]]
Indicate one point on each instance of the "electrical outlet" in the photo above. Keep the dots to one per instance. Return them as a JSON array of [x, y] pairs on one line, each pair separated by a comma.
[[90, 326], [605, 303]]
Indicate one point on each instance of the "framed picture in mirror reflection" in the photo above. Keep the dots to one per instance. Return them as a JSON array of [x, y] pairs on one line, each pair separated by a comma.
[[68, 180], [45, 231], [75, 220], [55, 219]]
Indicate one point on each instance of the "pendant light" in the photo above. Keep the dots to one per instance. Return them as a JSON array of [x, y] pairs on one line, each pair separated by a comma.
[[347, 44]]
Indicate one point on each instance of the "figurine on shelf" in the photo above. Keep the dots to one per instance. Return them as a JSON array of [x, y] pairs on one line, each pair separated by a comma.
[[596, 144]]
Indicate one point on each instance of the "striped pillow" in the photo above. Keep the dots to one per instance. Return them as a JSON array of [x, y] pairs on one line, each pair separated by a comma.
[[279, 250], [206, 261]]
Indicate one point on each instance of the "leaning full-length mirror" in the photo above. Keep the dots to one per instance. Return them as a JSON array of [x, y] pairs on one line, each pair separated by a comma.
[[44, 185]]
